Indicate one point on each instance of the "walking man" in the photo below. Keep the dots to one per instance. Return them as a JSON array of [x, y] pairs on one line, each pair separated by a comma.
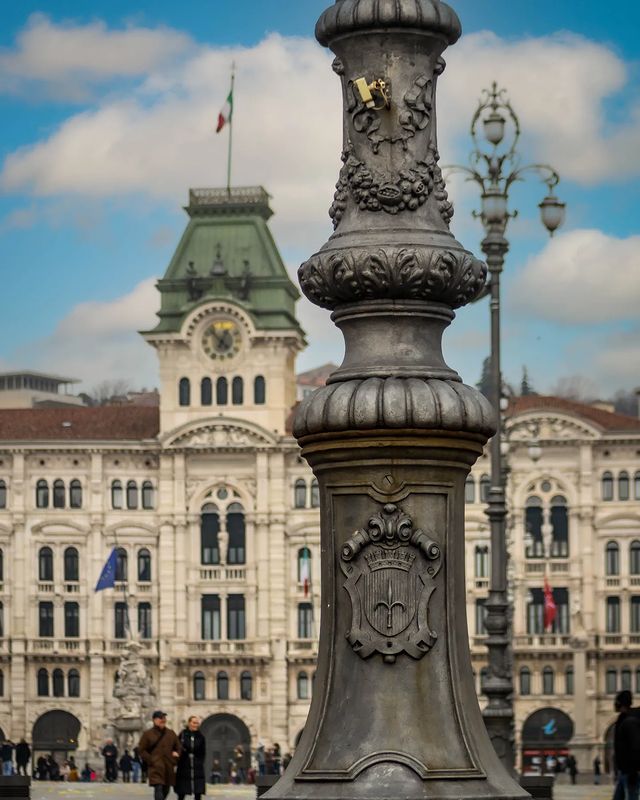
[[160, 749], [23, 754], [110, 753], [626, 748]]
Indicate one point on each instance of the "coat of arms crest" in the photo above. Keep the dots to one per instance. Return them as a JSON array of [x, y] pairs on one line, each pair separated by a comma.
[[390, 570]]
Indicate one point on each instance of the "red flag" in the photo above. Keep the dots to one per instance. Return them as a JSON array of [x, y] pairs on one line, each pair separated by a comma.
[[550, 608]]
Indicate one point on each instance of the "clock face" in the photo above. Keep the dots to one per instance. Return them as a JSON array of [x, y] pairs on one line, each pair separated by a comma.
[[222, 339]]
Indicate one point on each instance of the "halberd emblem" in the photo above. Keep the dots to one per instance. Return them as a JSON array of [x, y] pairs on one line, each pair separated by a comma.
[[390, 570]]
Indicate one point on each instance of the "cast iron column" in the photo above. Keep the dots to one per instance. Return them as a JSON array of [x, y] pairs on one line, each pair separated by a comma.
[[392, 438]]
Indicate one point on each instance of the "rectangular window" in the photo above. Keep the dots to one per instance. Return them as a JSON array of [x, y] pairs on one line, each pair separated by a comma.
[[562, 621], [144, 620], [236, 617], [635, 615], [210, 614], [305, 621], [481, 616], [613, 615], [535, 612], [121, 621], [45, 619], [71, 620]]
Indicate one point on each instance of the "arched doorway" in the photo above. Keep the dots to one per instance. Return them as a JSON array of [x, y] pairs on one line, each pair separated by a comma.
[[55, 732], [545, 741], [224, 733]]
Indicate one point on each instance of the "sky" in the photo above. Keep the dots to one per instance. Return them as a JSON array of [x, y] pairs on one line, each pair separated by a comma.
[[108, 112]]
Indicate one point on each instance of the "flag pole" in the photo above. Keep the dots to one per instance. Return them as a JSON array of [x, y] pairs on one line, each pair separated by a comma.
[[233, 78]]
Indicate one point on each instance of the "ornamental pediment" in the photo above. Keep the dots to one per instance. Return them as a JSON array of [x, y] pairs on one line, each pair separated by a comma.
[[550, 427], [221, 434]]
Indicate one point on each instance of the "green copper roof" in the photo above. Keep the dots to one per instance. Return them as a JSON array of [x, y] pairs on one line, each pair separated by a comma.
[[227, 252]]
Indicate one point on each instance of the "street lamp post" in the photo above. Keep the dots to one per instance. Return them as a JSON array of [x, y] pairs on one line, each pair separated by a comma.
[[494, 167]]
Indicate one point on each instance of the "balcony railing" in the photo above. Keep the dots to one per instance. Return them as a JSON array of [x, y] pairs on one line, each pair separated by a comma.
[[246, 647], [46, 645], [223, 573], [542, 641], [302, 648]]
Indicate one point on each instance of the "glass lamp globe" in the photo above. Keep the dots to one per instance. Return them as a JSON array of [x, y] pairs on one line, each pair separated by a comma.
[[552, 212], [494, 128], [494, 208], [535, 451]]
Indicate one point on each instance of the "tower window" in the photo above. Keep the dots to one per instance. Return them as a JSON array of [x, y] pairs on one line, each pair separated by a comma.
[[184, 392], [259, 391], [222, 391], [237, 391], [206, 392]]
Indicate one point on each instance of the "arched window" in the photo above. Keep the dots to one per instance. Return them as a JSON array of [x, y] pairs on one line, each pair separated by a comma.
[[209, 528], [300, 493], [73, 683], [71, 564], [525, 681], [43, 683], [199, 684], [42, 494], [623, 486], [71, 620], [132, 494], [636, 486], [184, 392], [533, 528], [3, 494], [568, 680], [75, 494], [485, 488], [304, 565], [222, 686], [482, 561], [222, 391], [315, 494], [144, 565], [625, 679], [612, 558], [303, 686], [305, 620], [122, 565], [236, 531], [607, 486], [117, 498], [560, 527], [548, 680], [148, 495], [206, 392], [58, 494], [634, 557], [58, 683], [246, 686], [611, 681], [45, 564], [259, 391], [470, 490], [237, 391]]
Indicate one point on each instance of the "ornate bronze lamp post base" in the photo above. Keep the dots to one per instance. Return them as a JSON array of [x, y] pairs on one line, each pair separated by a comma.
[[391, 439]]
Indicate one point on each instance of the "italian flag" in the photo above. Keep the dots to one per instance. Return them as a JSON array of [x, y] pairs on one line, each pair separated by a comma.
[[227, 112]]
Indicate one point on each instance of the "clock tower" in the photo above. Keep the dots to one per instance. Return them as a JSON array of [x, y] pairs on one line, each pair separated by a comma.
[[227, 335]]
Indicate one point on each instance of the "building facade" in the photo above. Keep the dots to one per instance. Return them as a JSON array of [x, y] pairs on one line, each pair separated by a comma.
[[215, 519]]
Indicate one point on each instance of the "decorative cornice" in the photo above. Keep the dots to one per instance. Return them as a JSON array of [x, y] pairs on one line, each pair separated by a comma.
[[355, 16]]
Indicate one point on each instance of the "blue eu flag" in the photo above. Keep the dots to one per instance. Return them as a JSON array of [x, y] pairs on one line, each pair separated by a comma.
[[107, 577]]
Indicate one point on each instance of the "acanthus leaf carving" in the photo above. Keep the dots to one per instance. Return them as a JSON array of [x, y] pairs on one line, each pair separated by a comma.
[[219, 436], [390, 568]]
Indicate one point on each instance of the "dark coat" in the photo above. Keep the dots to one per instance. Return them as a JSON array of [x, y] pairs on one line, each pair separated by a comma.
[[190, 774], [626, 743], [160, 763], [23, 753]]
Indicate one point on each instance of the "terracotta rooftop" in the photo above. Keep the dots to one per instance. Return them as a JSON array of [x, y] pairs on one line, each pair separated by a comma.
[[317, 376], [102, 423], [603, 419]]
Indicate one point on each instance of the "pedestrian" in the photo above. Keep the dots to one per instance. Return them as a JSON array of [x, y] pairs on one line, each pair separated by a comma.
[[276, 758], [85, 775], [110, 754], [260, 758], [23, 754], [216, 772], [160, 749], [190, 778], [572, 766], [136, 765], [6, 756], [626, 748], [126, 765], [238, 757], [42, 769], [53, 768], [597, 771]]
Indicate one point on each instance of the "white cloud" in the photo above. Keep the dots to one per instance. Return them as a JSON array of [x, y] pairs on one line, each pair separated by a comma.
[[65, 60], [582, 277], [98, 340]]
